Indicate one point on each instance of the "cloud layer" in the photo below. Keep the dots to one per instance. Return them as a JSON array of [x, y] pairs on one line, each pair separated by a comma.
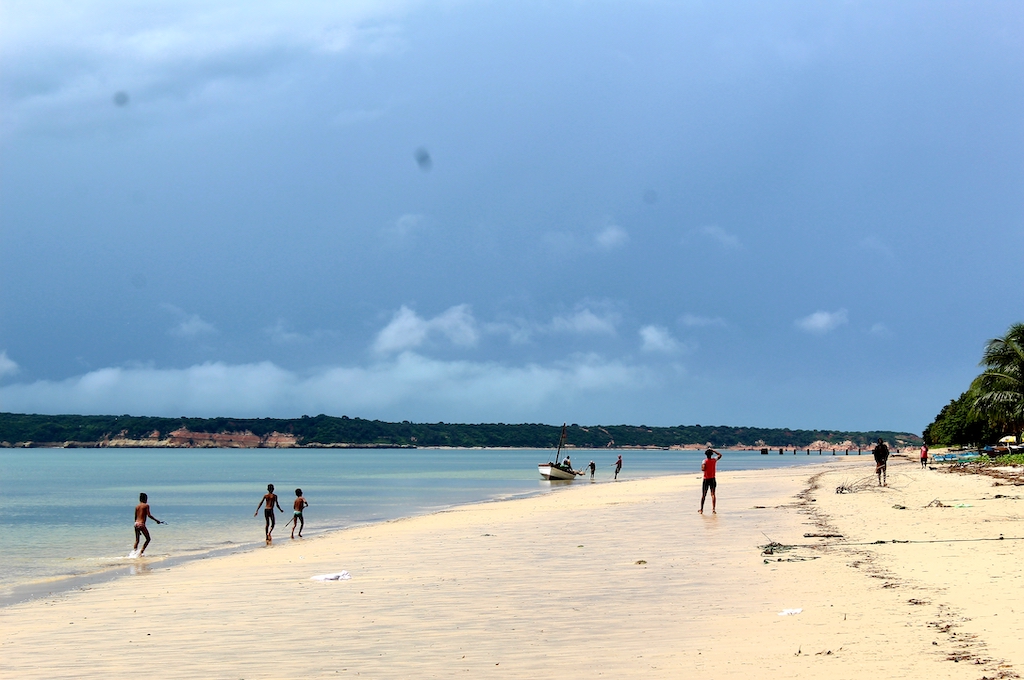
[[7, 366], [821, 322], [58, 55], [409, 330], [423, 388], [658, 339]]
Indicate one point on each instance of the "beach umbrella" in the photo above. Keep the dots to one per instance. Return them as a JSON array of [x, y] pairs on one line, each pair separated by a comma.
[[1008, 439]]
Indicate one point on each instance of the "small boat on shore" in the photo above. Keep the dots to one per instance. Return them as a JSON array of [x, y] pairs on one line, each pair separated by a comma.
[[955, 457], [556, 470]]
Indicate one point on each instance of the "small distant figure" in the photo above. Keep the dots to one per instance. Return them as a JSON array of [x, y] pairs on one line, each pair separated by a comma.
[[618, 467], [593, 469], [269, 500], [298, 506], [708, 466], [881, 454], [142, 512], [924, 456]]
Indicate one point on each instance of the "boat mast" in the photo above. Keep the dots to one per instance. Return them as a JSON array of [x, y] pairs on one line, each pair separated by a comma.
[[561, 443]]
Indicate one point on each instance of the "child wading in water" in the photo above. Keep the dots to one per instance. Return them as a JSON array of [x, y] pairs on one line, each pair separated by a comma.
[[298, 506], [270, 499], [142, 512]]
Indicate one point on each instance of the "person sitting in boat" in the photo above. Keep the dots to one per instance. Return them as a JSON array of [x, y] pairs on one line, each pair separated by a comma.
[[567, 465]]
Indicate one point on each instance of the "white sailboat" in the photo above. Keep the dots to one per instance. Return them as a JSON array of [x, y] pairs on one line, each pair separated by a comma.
[[556, 470]]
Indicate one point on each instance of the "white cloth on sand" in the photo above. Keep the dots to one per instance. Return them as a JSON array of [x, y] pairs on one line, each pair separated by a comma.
[[790, 612], [338, 576]]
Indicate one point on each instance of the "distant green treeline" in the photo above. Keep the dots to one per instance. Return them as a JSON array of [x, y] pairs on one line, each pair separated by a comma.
[[324, 430], [993, 405]]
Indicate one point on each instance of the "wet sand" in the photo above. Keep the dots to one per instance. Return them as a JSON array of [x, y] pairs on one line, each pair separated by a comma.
[[614, 580]]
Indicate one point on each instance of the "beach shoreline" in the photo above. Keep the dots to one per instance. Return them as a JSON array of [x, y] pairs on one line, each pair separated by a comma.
[[56, 586], [622, 580], [44, 554]]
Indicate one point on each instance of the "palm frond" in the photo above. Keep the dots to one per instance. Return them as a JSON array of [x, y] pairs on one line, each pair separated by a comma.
[[998, 393]]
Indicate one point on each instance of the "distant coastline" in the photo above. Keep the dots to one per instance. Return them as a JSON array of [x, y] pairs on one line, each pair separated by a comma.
[[322, 431]]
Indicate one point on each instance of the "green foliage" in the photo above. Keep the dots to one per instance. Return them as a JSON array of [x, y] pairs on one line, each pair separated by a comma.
[[958, 424], [1010, 459], [999, 390], [325, 430], [994, 404]]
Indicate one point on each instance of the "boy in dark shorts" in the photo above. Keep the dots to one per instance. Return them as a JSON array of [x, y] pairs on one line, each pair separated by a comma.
[[142, 512], [270, 500], [298, 506], [707, 466]]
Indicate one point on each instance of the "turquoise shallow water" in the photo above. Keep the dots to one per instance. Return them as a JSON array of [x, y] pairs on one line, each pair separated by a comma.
[[69, 512]]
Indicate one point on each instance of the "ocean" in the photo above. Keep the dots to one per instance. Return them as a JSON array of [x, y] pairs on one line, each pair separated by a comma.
[[66, 515]]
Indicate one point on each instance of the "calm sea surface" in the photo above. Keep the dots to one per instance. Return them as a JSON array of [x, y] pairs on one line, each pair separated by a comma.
[[67, 513]]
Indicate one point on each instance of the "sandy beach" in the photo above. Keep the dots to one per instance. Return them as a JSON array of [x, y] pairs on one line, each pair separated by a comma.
[[614, 580]]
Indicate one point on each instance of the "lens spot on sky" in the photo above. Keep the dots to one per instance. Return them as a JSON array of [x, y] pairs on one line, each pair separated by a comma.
[[650, 197], [423, 159], [139, 281], [121, 98]]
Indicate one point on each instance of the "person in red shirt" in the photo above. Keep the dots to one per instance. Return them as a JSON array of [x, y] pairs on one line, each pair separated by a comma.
[[708, 467], [924, 456]]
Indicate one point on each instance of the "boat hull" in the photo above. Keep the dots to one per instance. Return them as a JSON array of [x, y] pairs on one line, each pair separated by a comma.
[[552, 471]]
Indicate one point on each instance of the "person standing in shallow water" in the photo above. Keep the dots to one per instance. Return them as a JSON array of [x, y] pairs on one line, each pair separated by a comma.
[[881, 454], [270, 500], [142, 512], [708, 466], [298, 506], [618, 466]]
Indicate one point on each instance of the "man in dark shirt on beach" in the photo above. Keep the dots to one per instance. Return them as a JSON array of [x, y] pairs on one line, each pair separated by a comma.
[[708, 466], [270, 499], [881, 454]]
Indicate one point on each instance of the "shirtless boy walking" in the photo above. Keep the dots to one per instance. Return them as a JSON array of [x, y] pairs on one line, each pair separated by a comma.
[[269, 500], [298, 506], [142, 513]]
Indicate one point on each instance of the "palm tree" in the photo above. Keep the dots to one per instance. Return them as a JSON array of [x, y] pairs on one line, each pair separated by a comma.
[[999, 391]]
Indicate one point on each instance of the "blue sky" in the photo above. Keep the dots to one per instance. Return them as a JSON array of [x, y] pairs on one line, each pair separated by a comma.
[[794, 214]]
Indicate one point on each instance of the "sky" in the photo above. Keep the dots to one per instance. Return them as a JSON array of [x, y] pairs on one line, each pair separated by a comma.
[[801, 214]]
